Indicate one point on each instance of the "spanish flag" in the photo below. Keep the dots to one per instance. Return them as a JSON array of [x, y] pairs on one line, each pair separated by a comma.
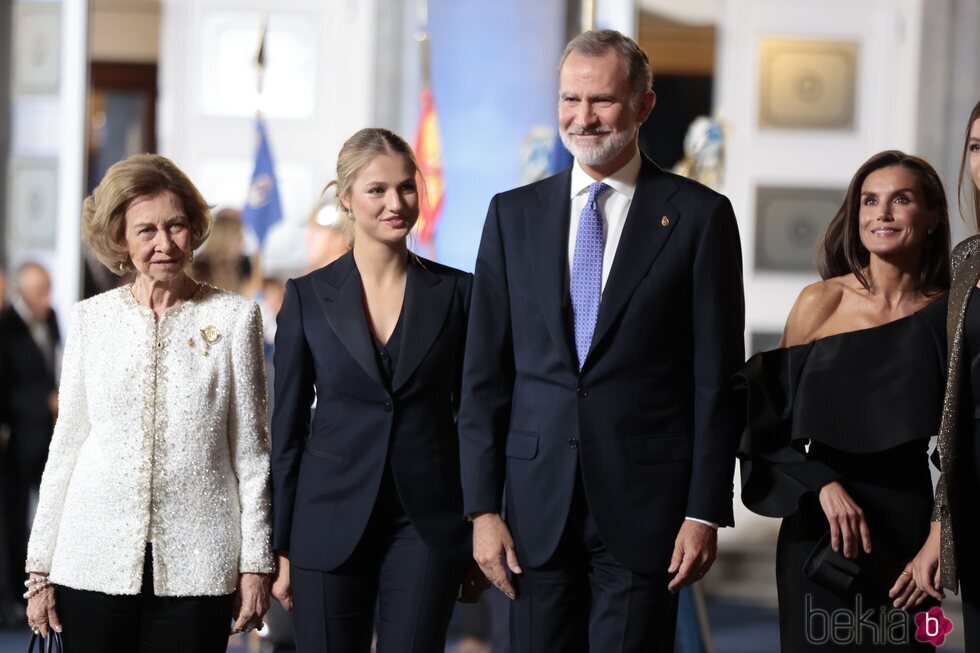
[[428, 152]]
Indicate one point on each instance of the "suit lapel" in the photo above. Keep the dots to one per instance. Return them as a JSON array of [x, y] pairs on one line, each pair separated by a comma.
[[644, 235], [339, 294], [548, 250], [428, 297]]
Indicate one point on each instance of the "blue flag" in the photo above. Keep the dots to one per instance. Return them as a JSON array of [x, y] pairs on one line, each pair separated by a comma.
[[262, 207]]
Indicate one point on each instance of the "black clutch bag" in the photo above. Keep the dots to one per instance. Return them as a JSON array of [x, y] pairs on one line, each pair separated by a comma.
[[50, 645], [829, 569]]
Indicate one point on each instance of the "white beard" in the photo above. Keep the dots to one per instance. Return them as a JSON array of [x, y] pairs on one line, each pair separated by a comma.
[[601, 152]]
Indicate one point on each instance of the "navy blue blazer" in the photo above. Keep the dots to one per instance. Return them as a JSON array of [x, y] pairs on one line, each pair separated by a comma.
[[650, 421], [326, 472]]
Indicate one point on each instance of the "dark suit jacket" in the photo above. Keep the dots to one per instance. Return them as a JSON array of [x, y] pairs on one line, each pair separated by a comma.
[[26, 382], [650, 421], [326, 473]]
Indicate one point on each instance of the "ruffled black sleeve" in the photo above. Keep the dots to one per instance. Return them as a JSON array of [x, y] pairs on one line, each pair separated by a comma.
[[775, 470]]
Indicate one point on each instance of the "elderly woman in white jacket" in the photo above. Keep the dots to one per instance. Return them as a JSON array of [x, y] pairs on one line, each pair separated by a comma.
[[154, 504]]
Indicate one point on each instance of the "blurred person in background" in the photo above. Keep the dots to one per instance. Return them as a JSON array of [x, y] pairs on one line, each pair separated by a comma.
[[840, 417], [223, 261], [30, 347], [953, 559], [327, 240], [367, 500], [154, 504]]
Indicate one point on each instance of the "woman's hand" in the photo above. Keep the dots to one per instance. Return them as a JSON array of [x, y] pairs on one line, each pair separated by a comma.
[[920, 578], [280, 586], [474, 582], [846, 520], [251, 602], [41, 613]]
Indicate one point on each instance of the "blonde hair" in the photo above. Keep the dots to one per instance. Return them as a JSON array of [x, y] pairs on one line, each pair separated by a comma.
[[141, 175], [355, 155]]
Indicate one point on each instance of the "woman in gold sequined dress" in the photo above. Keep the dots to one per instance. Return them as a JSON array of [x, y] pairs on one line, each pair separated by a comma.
[[154, 504]]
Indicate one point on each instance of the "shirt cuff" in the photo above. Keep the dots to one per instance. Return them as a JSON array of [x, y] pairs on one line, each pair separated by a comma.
[[702, 521]]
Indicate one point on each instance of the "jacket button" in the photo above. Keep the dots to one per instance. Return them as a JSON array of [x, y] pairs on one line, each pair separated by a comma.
[[388, 407], [572, 443], [581, 392]]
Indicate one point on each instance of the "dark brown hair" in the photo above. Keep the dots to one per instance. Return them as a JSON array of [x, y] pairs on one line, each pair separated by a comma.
[[966, 197], [842, 251]]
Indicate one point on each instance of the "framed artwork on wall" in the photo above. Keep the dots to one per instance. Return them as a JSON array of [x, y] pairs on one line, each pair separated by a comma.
[[32, 211], [789, 223], [807, 84], [37, 48]]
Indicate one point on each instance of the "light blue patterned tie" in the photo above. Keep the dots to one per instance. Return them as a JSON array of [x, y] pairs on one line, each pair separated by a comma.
[[585, 288]]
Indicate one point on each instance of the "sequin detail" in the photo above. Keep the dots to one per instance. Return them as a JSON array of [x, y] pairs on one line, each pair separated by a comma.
[[157, 443], [966, 272]]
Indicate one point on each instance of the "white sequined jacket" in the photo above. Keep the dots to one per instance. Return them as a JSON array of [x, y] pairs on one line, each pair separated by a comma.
[[161, 438]]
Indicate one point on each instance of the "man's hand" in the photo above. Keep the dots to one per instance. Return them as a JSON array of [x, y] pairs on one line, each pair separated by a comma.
[[474, 582], [493, 550], [694, 552]]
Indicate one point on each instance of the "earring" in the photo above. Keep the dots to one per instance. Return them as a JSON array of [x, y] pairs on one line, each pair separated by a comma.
[[122, 267]]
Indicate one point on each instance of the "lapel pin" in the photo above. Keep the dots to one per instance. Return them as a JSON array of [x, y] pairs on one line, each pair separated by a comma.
[[664, 221]]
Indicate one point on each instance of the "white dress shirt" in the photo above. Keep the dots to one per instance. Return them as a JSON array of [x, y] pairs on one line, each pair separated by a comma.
[[614, 206]]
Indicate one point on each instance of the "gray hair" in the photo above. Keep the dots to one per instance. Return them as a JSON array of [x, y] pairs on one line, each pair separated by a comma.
[[596, 43]]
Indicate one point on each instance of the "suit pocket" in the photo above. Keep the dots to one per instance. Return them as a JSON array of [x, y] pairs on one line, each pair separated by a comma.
[[324, 455], [659, 448], [521, 444]]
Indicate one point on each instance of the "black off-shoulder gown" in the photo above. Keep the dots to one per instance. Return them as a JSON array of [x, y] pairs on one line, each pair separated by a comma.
[[858, 408]]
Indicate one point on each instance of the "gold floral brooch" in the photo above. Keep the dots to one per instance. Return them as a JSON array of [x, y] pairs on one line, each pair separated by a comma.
[[210, 335]]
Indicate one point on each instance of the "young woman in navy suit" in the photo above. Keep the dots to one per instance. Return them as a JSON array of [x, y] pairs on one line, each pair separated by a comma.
[[366, 490]]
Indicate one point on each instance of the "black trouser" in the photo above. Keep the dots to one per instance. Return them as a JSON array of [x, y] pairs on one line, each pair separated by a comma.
[[392, 570], [584, 600], [94, 622]]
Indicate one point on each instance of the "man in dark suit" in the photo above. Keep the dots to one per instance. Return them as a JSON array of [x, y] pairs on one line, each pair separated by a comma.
[[29, 346], [597, 413]]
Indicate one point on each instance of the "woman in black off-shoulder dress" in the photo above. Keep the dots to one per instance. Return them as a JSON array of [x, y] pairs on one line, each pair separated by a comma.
[[839, 420]]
